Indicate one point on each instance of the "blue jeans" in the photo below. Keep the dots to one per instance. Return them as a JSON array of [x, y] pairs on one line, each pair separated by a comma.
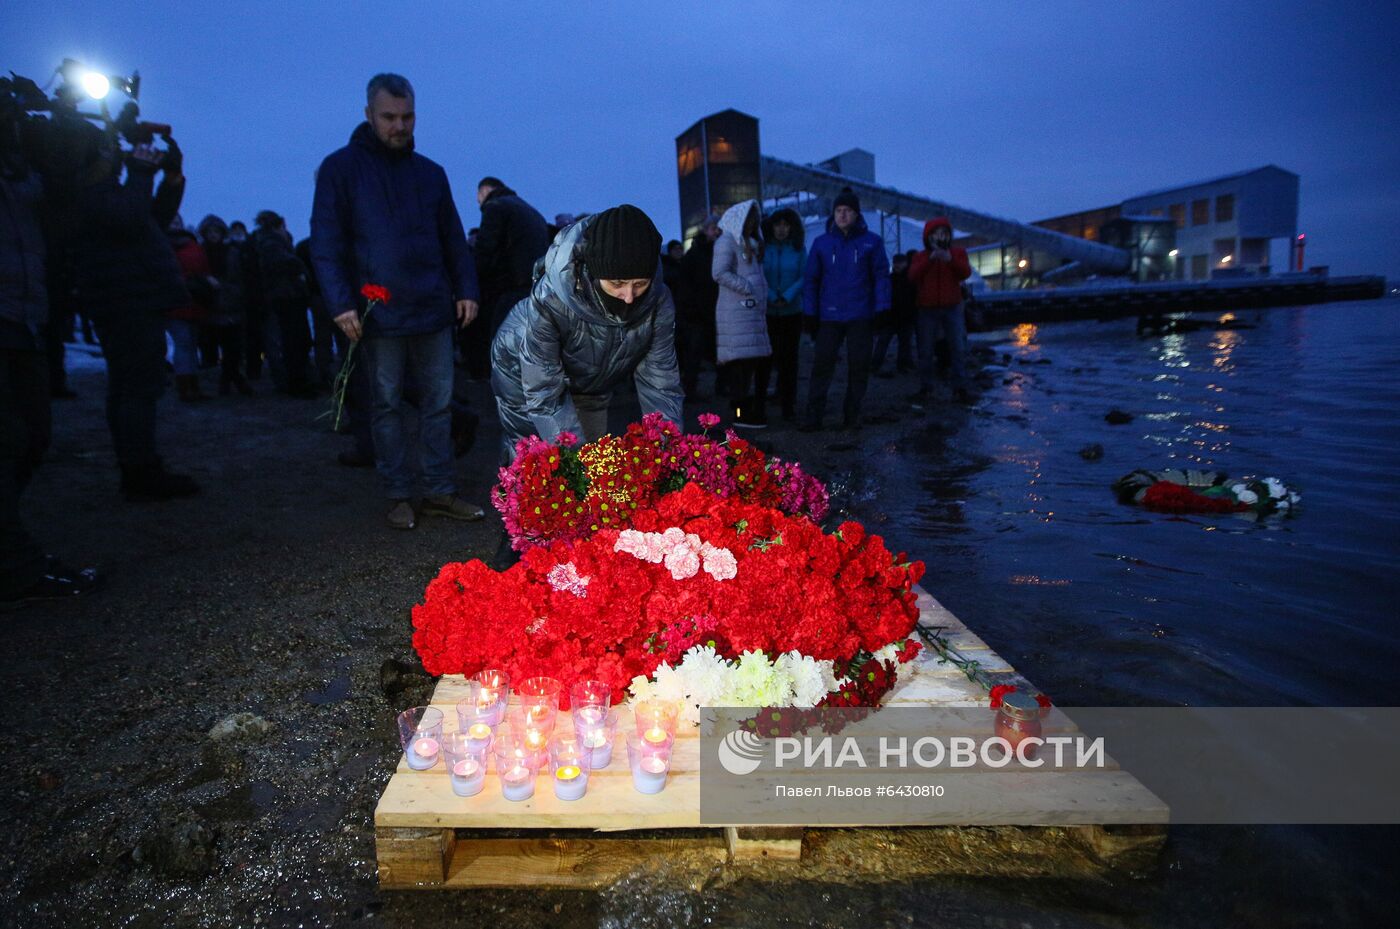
[[427, 359], [948, 323], [185, 335]]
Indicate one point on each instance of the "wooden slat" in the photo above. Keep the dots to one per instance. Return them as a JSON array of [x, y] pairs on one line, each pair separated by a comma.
[[569, 863], [777, 843], [413, 857]]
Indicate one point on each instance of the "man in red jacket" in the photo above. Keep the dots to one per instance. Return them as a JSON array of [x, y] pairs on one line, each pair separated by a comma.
[[937, 274]]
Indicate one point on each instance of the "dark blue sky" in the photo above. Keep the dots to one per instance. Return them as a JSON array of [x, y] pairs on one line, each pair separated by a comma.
[[1026, 110]]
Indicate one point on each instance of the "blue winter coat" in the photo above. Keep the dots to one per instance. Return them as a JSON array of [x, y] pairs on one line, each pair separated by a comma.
[[783, 265], [848, 276], [386, 217]]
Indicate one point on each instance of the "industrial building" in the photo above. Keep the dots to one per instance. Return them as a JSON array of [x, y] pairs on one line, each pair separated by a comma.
[[1239, 224]]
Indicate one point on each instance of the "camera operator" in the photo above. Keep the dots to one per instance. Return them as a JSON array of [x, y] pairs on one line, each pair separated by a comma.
[[128, 278], [26, 573]]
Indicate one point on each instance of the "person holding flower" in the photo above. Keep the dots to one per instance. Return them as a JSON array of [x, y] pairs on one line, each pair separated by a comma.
[[384, 214], [598, 316]]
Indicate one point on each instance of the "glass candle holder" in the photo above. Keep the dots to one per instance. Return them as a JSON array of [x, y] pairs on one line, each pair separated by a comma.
[[420, 731], [476, 718], [539, 696], [516, 765], [593, 698], [466, 763], [1019, 719], [650, 763], [533, 726], [493, 694], [597, 737], [570, 764], [656, 720]]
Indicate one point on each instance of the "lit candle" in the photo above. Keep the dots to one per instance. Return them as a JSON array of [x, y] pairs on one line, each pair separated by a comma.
[[533, 738], [570, 782], [518, 783], [649, 773], [590, 715], [468, 777], [599, 747], [656, 736], [424, 753], [479, 731]]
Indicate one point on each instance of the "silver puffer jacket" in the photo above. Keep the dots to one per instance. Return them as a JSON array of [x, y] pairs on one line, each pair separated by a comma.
[[560, 342]]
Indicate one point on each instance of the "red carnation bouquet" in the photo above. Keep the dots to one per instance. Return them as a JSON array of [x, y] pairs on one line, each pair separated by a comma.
[[692, 595]]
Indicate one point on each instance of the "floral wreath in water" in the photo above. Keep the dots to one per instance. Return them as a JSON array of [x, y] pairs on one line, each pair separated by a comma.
[[1197, 491]]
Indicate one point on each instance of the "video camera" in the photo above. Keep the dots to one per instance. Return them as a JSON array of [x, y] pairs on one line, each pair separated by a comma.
[[54, 136]]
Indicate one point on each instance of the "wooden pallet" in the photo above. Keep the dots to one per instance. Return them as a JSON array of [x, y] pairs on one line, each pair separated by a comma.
[[427, 837]]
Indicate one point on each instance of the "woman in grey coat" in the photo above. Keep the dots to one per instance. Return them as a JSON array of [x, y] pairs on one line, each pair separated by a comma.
[[741, 325], [597, 316]]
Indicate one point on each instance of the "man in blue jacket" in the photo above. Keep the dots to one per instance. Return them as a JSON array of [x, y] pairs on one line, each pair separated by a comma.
[[384, 215], [847, 282]]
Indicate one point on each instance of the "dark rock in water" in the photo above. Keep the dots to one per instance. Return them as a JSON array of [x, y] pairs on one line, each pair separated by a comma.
[[181, 845], [1117, 417], [1091, 452], [240, 726], [1034, 361]]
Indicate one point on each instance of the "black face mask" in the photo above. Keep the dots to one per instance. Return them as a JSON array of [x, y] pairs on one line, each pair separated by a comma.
[[615, 306]]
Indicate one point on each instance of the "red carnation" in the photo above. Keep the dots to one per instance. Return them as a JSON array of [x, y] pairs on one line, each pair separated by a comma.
[[375, 293]]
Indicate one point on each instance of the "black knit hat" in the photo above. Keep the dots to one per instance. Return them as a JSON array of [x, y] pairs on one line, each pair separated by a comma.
[[622, 244], [846, 197]]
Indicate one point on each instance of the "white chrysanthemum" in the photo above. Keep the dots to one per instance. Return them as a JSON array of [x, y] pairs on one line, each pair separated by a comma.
[[706, 676], [1247, 497], [669, 685], [829, 679], [756, 682], [1275, 486], [808, 684], [641, 688], [889, 652]]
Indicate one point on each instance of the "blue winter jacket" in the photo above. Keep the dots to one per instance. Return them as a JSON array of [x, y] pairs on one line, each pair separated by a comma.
[[848, 276], [783, 266], [386, 217]]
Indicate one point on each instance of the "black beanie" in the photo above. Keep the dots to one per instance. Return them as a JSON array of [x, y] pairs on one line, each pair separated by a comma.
[[846, 197], [622, 245]]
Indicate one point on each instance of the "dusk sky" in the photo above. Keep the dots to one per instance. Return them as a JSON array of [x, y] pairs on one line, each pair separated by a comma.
[[1024, 110]]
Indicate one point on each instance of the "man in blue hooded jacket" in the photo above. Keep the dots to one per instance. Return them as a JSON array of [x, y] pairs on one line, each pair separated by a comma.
[[384, 215], [846, 282]]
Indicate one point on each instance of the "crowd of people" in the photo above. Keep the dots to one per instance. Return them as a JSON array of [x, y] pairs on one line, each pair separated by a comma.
[[394, 303]]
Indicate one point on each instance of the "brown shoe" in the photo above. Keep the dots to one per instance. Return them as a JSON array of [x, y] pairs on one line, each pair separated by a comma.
[[401, 515], [451, 506]]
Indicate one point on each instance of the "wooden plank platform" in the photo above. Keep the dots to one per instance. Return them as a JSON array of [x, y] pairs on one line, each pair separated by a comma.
[[427, 837]]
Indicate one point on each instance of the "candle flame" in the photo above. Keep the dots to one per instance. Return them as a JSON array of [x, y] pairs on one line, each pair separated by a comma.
[[568, 772]]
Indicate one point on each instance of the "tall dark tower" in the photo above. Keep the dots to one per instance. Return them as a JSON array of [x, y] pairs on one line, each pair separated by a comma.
[[717, 165]]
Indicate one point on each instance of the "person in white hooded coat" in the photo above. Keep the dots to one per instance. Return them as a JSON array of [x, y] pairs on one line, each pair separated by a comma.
[[741, 326]]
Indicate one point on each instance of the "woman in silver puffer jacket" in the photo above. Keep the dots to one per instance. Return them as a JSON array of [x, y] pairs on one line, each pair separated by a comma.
[[597, 316], [741, 325]]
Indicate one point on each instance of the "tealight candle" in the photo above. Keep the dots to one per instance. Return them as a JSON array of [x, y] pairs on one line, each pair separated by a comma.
[[656, 736], [420, 729], [492, 695], [650, 764], [570, 782], [479, 732], [468, 777], [518, 783], [599, 744], [649, 775]]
